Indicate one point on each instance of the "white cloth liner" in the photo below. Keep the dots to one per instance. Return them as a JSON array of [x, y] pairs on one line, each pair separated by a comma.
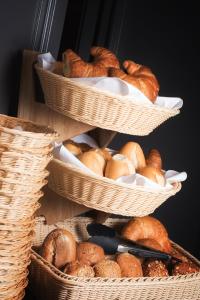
[[115, 85], [61, 153]]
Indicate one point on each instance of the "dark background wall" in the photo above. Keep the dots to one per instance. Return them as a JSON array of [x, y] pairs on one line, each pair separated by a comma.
[[163, 38]]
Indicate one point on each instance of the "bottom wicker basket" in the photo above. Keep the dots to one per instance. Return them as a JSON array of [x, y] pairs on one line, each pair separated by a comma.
[[47, 282]]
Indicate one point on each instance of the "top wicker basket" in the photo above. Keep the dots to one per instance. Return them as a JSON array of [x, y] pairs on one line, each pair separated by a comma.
[[99, 108]]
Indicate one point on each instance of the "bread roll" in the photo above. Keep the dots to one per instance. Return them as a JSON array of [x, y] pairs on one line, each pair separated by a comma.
[[147, 228], [73, 147], [185, 268], [134, 153], [154, 268], [154, 159], [75, 268], [59, 247], [119, 166], [89, 253], [130, 265], [94, 160], [153, 174], [107, 268]]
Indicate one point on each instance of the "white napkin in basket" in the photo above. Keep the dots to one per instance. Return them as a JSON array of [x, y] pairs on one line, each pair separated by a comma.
[[65, 155]]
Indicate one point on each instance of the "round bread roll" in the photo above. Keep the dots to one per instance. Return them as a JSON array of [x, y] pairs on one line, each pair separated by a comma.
[[94, 160], [73, 147], [153, 174], [107, 268], [75, 268], [154, 268], [59, 247], [119, 166], [153, 244], [130, 265], [134, 153], [147, 227], [154, 159], [185, 268], [89, 253]]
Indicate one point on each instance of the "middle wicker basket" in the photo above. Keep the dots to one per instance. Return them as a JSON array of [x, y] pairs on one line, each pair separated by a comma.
[[104, 194]]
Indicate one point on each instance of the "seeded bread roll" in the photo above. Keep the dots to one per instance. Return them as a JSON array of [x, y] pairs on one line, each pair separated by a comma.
[[154, 268], [185, 268], [107, 268], [75, 268]]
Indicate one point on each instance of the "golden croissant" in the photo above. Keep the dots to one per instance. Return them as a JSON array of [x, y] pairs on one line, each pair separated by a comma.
[[139, 76], [103, 59]]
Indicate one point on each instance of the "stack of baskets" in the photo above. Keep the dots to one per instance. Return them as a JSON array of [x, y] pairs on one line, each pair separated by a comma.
[[25, 151]]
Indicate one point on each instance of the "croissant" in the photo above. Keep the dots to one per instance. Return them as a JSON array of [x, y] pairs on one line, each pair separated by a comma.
[[139, 76], [154, 159], [74, 66]]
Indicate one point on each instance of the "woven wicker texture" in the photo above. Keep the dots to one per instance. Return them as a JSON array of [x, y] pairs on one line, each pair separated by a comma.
[[49, 283], [99, 108], [103, 193], [24, 155], [31, 136]]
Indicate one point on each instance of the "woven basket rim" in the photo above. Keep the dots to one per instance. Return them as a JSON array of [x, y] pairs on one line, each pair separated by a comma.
[[114, 97], [105, 180], [97, 281], [46, 130]]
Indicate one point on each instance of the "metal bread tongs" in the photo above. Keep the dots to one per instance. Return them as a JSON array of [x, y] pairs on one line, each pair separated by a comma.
[[111, 242]]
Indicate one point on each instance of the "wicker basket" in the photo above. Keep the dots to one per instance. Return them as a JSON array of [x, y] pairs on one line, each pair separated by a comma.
[[32, 135], [47, 282], [103, 193], [99, 108]]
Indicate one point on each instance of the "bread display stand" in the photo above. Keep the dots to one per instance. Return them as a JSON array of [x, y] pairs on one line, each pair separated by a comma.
[[59, 209]]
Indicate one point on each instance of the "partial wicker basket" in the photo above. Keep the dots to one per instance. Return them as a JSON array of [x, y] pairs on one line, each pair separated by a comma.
[[47, 282], [99, 108], [104, 194], [29, 135]]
